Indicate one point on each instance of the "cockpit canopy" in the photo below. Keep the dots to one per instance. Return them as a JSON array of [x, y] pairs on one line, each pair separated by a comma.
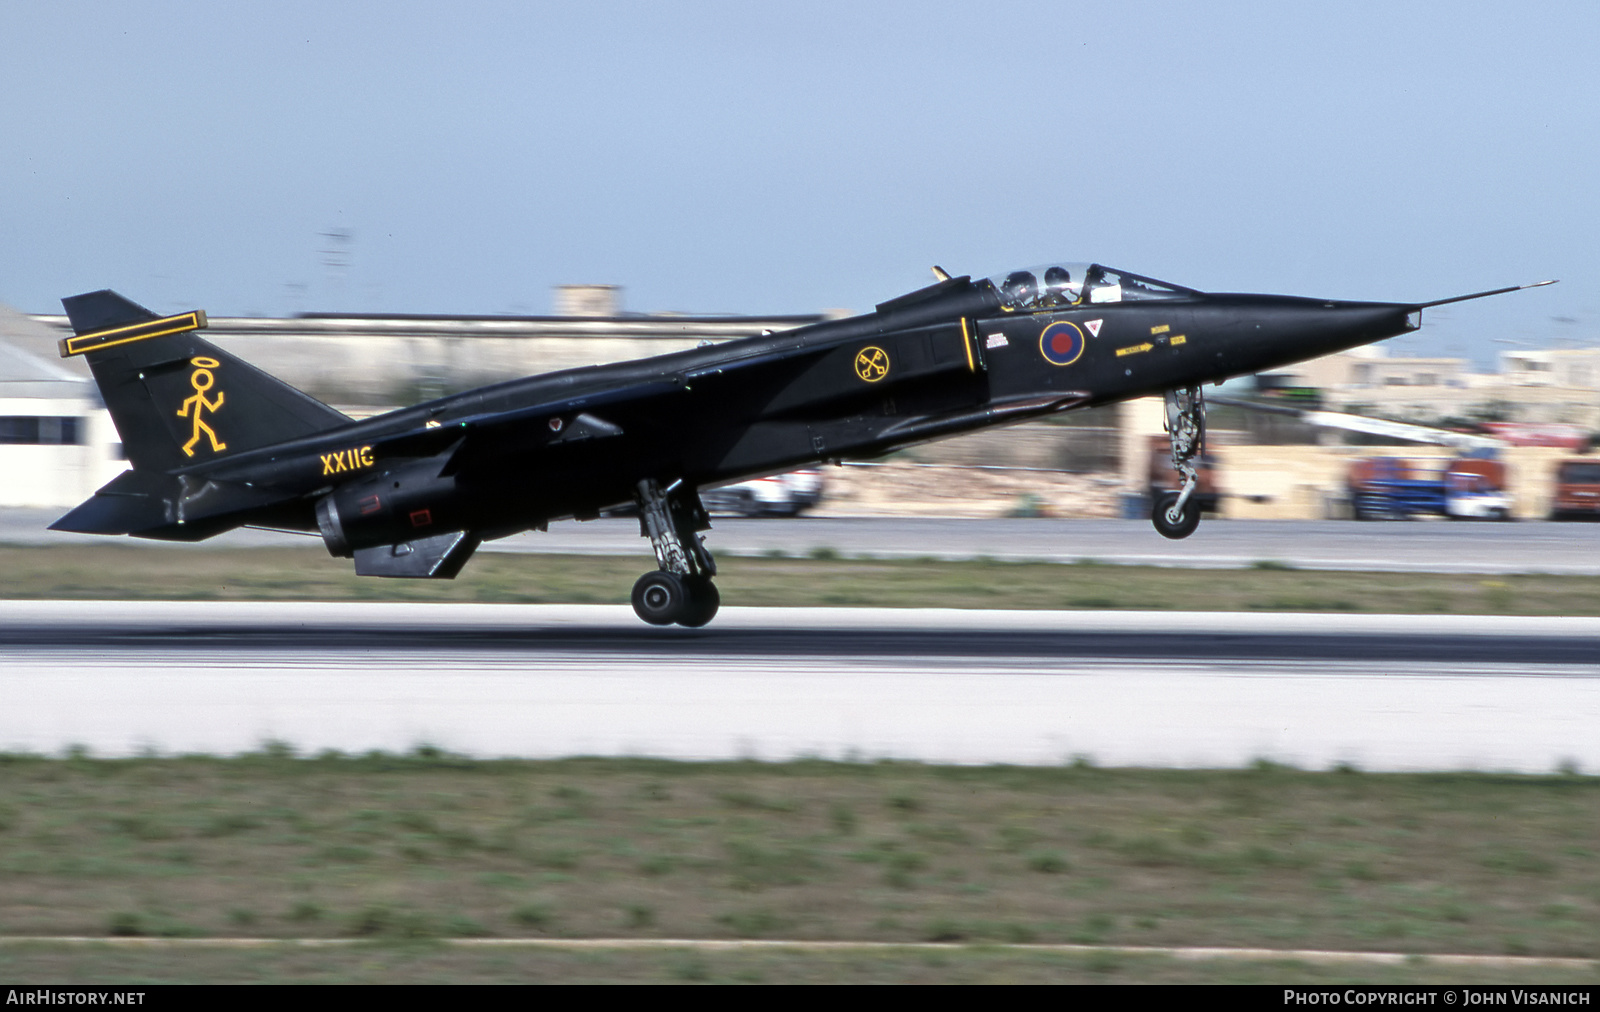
[[1055, 286]]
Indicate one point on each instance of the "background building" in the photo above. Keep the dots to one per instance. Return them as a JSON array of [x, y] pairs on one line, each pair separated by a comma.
[[57, 443], [1540, 386]]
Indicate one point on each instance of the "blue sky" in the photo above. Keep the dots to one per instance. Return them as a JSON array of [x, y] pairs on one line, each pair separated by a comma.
[[736, 157]]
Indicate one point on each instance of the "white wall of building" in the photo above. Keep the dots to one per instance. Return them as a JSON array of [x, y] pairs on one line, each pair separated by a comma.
[[57, 475]]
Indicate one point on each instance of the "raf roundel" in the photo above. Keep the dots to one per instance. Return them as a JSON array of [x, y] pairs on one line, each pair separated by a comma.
[[1061, 343]]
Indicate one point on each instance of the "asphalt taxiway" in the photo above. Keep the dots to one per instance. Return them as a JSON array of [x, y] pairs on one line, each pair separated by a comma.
[[1123, 688]]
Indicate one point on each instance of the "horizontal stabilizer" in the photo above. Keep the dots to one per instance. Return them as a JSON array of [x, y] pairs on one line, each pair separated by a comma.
[[152, 504], [132, 502]]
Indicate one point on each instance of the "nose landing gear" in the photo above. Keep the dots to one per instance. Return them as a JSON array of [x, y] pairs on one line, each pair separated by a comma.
[[680, 591], [1173, 514]]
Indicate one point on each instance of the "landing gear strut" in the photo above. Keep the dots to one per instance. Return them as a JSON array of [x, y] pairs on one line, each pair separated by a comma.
[[1173, 514], [681, 590]]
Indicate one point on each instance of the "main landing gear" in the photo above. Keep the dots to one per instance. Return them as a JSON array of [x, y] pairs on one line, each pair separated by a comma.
[[681, 590], [1173, 514]]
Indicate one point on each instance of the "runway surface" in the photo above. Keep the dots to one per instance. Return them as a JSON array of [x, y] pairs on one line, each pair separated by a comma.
[[1418, 546], [1119, 688]]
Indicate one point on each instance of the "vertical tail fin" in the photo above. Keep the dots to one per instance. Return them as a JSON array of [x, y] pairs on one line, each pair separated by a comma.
[[176, 398]]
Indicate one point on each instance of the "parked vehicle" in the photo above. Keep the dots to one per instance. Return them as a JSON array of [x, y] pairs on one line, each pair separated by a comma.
[[1568, 437], [1577, 494], [1393, 488], [780, 495]]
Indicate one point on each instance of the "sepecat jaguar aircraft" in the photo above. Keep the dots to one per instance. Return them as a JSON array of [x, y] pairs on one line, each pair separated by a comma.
[[216, 444]]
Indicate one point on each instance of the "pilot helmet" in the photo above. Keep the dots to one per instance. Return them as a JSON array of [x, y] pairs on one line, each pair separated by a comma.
[[1020, 287], [1056, 282]]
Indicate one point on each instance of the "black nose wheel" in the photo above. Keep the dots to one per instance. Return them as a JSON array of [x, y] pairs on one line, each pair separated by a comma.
[[1171, 522], [1186, 429]]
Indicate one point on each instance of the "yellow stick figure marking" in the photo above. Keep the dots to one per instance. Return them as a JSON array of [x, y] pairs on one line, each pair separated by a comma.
[[202, 380], [872, 363]]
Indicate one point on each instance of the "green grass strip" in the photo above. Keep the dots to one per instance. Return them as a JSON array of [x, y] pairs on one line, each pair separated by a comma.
[[121, 572], [401, 850]]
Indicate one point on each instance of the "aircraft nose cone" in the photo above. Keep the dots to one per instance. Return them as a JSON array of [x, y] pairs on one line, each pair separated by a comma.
[[1279, 331], [1338, 326]]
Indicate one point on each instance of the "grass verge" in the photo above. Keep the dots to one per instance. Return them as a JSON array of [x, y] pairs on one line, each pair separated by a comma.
[[402, 851], [119, 572]]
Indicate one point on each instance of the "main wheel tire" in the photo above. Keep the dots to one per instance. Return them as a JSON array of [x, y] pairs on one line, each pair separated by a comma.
[[660, 598], [704, 600], [1170, 524]]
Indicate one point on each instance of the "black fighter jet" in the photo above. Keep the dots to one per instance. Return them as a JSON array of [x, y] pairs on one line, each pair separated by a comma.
[[216, 444]]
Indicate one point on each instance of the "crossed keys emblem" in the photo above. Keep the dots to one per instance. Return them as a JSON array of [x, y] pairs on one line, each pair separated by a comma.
[[202, 379], [872, 363]]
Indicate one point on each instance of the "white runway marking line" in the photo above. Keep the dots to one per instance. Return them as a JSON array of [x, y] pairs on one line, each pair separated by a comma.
[[1188, 953]]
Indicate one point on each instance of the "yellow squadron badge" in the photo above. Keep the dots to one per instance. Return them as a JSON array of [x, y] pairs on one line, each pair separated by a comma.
[[202, 380], [872, 363]]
